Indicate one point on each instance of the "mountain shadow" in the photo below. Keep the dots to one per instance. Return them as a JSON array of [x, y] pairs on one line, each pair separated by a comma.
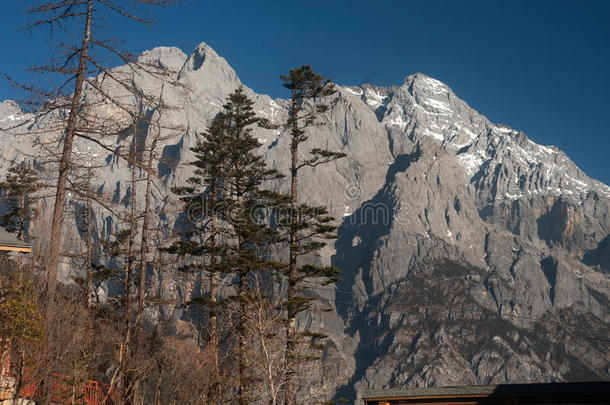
[[599, 256], [360, 233], [359, 236]]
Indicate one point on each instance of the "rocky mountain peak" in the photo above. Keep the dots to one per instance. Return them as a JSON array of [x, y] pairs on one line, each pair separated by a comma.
[[423, 84], [9, 113], [207, 73], [166, 57], [469, 253]]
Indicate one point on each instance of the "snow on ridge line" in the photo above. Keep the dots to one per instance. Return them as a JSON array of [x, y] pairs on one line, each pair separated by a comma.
[[468, 132], [439, 105], [550, 149], [505, 130], [352, 91], [436, 86], [373, 98], [547, 149]]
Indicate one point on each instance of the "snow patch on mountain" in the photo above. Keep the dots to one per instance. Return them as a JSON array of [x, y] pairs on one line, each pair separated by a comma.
[[480, 196], [373, 98]]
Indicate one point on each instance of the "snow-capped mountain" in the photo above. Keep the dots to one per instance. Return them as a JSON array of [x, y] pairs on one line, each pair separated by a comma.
[[469, 253]]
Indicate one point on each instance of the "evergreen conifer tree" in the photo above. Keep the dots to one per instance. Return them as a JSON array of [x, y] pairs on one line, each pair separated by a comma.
[[20, 184], [306, 226], [227, 240], [20, 315]]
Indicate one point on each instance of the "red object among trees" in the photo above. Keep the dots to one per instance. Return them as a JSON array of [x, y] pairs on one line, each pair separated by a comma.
[[90, 392]]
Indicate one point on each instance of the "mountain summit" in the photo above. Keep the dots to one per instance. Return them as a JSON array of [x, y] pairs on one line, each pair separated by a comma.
[[469, 253]]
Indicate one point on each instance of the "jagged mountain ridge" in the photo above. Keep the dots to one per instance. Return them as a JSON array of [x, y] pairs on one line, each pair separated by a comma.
[[457, 235]]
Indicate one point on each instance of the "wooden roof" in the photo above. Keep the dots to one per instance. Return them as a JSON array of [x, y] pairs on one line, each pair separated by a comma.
[[600, 389], [9, 242]]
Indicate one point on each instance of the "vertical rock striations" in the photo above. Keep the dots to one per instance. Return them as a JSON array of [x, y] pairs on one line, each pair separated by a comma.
[[469, 253]]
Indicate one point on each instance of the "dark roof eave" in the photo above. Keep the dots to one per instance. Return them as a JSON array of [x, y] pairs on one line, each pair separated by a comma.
[[25, 245], [576, 388], [8, 240]]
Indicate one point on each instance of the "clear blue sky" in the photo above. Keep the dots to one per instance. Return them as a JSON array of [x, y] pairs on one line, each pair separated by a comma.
[[539, 66]]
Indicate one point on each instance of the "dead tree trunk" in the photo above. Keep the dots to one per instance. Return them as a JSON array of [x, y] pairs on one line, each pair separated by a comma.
[[69, 134], [126, 350]]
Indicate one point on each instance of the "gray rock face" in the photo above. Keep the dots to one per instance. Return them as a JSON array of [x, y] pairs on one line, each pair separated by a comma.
[[469, 253]]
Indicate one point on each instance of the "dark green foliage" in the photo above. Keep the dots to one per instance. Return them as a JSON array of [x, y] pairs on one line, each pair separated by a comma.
[[118, 249], [20, 184], [307, 88], [229, 237], [307, 227], [226, 187]]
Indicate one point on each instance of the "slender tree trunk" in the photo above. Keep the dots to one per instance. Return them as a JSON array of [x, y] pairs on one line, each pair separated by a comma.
[[52, 259], [292, 269], [22, 220], [21, 232], [243, 394], [213, 335], [92, 324], [126, 352], [88, 261], [214, 321], [145, 227], [241, 333], [19, 380], [267, 362], [60, 197], [158, 384], [144, 262]]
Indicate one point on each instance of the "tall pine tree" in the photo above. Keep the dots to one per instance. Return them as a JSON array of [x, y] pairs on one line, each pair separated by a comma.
[[227, 240], [307, 227]]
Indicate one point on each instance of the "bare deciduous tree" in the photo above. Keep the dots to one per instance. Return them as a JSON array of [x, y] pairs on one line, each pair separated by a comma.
[[76, 26]]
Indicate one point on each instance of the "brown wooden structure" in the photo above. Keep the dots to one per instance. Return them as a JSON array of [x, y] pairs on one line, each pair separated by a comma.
[[505, 394], [10, 243]]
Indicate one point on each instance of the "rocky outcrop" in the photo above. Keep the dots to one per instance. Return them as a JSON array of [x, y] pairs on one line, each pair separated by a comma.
[[469, 254]]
